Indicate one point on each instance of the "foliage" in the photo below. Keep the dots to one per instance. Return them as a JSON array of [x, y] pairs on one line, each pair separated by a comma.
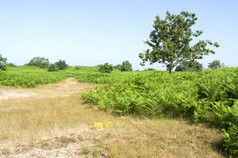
[[39, 62], [61, 65], [207, 96], [126, 66], [170, 41], [149, 69], [26, 76], [3, 62], [106, 68], [77, 67], [11, 65], [118, 66], [216, 64], [189, 66], [53, 67]]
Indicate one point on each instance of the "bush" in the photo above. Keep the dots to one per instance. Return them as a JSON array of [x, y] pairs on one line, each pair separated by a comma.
[[53, 67], [62, 65], [126, 66], [106, 68]]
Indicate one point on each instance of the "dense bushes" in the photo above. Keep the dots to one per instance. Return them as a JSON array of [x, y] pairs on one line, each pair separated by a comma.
[[30, 76], [27, 77]]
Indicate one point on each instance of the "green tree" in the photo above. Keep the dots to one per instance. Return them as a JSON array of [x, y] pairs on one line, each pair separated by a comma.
[[118, 66], [126, 66], [189, 66], [53, 67], [105, 68], [170, 41], [39, 62], [3, 62], [62, 65], [216, 64]]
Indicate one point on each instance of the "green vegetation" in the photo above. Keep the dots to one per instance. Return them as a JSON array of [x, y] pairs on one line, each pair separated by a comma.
[[53, 67], [106, 68], [209, 96], [39, 62], [126, 66], [189, 66], [62, 65], [216, 64], [10, 65], [28, 76], [170, 41], [3, 62], [31, 76]]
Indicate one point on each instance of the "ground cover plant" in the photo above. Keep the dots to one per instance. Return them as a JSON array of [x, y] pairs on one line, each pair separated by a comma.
[[30, 76]]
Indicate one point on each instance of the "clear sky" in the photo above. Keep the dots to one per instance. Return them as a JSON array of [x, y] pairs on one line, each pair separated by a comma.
[[93, 32]]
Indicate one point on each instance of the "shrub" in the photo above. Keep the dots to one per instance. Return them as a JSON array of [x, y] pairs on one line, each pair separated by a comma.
[[106, 68], [53, 67], [62, 65]]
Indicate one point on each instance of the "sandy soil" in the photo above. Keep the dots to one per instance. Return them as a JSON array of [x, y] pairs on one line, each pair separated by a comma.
[[66, 87]]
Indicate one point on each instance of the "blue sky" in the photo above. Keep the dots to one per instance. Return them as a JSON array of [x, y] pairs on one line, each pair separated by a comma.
[[94, 32]]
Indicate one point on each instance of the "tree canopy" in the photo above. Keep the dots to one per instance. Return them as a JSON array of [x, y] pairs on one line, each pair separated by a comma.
[[39, 62], [125, 66], [189, 66], [216, 64], [62, 65], [170, 41]]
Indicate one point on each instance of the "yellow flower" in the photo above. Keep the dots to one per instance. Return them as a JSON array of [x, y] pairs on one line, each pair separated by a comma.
[[95, 91], [109, 124], [95, 108], [98, 125], [122, 118]]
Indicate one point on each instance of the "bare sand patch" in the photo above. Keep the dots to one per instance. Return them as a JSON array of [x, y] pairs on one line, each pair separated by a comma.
[[9, 93], [65, 87]]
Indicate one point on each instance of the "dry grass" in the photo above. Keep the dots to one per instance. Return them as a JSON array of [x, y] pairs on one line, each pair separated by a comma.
[[54, 122]]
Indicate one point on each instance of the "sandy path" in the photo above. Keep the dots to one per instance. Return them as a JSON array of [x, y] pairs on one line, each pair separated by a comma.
[[64, 88]]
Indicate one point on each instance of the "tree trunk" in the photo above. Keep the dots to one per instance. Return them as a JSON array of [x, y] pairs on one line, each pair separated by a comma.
[[171, 67]]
